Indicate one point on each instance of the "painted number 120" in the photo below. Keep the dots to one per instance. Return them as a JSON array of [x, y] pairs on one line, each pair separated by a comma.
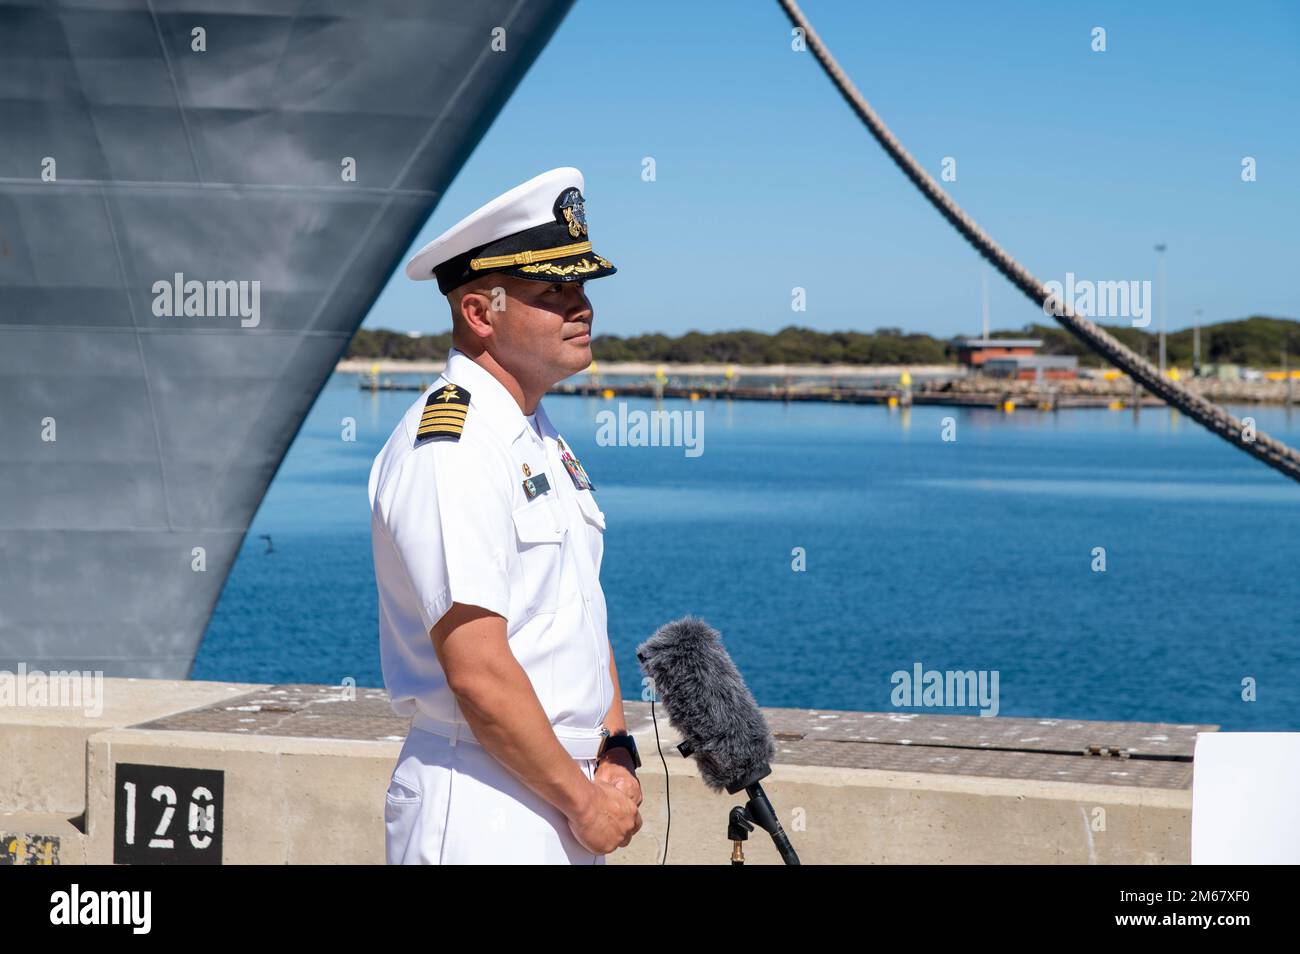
[[202, 815]]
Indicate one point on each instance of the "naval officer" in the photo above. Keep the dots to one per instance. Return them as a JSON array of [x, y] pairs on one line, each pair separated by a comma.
[[487, 543]]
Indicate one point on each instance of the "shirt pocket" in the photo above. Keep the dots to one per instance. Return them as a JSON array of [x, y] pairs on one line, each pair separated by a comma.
[[594, 524], [540, 536]]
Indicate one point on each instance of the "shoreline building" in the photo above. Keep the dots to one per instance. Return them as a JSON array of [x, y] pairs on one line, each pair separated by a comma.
[[1015, 358]]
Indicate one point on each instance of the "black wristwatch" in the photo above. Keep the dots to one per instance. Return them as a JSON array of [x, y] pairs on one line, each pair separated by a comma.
[[619, 740]]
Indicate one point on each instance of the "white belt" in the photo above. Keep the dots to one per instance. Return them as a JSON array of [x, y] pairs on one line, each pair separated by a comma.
[[579, 743]]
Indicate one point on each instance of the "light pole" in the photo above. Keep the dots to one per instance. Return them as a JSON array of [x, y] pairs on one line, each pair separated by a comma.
[[1286, 373], [984, 281], [1196, 344], [1160, 281]]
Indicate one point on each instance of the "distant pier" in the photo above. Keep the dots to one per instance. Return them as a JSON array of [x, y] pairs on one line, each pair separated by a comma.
[[992, 398], [387, 384], [937, 386]]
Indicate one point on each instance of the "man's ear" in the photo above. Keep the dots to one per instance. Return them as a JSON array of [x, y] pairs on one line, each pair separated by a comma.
[[479, 307]]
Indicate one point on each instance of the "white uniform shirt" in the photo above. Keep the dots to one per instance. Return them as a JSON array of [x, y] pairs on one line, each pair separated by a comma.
[[451, 522]]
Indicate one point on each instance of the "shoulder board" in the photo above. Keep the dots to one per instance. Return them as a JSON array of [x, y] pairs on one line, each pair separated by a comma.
[[444, 414]]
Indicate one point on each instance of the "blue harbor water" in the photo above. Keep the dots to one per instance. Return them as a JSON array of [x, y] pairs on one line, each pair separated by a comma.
[[973, 554]]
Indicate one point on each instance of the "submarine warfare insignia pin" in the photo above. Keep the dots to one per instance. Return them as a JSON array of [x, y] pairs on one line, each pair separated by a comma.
[[535, 486], [576, 471], [444, 414]]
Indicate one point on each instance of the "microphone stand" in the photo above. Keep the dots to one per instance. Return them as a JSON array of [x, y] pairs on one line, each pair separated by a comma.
[[757, 811]]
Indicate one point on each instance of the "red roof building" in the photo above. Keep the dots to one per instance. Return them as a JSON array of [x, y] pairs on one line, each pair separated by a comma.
[[973, 352]]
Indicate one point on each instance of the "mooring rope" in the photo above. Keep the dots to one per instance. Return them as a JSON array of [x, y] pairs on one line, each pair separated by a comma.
[[1270, 450]]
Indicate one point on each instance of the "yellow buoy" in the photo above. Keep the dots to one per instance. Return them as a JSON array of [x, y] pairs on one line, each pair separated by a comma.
[[1115, 406], [893, 401], [695, 395], [607, 393], [1009, 406]]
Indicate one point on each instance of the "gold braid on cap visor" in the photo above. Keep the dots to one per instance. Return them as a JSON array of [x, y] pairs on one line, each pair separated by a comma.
[[527, 258]]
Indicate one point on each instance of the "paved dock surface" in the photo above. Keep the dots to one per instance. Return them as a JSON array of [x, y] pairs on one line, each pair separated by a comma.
[[1156, 755]]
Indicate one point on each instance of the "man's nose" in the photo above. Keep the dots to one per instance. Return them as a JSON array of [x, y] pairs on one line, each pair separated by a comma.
[[581, 307]]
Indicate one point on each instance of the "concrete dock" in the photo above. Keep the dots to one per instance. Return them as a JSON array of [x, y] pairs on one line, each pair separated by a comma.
[[296, 774]]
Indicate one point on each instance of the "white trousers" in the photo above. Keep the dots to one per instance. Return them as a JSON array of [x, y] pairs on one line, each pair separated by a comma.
[[456, 804]]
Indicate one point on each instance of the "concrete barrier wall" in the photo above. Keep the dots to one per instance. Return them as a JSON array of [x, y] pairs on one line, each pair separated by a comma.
[[43, 748], [861, 816], [294, 800]]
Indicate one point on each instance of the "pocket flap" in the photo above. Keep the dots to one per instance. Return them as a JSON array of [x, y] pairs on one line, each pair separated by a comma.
[[536, 523]]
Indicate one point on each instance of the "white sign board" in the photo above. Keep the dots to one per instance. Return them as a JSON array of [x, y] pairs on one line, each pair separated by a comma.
[[1246, 798]]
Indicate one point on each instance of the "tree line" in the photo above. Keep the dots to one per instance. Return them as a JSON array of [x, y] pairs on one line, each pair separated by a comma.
[[1256, 341]]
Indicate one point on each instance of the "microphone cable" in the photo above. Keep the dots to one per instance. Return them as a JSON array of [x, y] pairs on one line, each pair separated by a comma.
[[668, 799]]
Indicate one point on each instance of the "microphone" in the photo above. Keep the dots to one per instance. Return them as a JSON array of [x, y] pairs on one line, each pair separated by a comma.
[[721, 725]]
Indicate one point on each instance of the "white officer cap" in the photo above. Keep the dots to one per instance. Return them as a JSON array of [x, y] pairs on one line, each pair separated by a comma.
[[537, 230]]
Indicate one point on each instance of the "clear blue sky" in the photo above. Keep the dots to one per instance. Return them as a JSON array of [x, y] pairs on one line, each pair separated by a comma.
[[1073, 160]]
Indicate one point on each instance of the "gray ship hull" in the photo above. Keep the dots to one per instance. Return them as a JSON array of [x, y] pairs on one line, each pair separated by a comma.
[[135, 446]]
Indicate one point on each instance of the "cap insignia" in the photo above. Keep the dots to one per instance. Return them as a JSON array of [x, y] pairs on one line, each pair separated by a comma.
[[572, 210]]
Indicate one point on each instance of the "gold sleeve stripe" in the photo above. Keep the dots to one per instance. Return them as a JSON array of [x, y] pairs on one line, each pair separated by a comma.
[[442, 413], [438, 429]]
